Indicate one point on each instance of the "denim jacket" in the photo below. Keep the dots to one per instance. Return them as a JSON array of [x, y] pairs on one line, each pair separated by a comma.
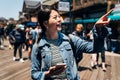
[[41, 60], [18, 35]]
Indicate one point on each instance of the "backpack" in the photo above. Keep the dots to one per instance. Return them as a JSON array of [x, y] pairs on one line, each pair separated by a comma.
[[12, 39]]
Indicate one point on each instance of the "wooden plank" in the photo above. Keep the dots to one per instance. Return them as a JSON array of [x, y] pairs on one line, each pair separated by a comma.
[[15, 74], [88, 71], [107, 75], [87, 75], [100, 75], [85, 60], [14, 70], [113, 69], [117, 68], [94, 75]]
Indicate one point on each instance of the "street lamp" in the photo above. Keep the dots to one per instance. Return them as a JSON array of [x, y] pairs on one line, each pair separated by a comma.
[[70, 15], [108, 5]]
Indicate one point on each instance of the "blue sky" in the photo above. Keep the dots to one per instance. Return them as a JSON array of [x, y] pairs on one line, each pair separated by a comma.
[[10, 8]]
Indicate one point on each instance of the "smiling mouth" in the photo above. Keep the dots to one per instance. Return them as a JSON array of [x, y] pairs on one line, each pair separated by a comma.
[[58, 25]]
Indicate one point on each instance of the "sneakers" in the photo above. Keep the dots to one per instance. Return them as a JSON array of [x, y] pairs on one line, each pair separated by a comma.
[[103, 67], [23, 49], [10, 47], [94, 67], [21, 60], [14, 58]]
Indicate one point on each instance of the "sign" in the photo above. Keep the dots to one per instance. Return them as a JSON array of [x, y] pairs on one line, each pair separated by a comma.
[[63, 6], [117, 7], [116, 10]]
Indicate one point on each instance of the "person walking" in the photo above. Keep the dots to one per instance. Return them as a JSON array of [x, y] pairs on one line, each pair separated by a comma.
[[52, 57], [2, 33], [79, 31], [10, 27], [19, 37], [81, 34], [100, 37]]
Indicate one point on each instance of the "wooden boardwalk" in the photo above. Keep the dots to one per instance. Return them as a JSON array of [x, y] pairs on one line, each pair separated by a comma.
[[15, 70]]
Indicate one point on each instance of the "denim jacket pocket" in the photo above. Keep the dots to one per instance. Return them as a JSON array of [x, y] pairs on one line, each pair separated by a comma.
[[46, 57], [70, 57]]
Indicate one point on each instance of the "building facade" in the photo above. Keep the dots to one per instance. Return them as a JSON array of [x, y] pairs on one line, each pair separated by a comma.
[[86, 12]]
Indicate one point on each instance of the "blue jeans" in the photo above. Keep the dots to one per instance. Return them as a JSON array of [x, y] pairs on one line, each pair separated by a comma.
[[19, 47], [102, 55], [1, 40], [114, 45]]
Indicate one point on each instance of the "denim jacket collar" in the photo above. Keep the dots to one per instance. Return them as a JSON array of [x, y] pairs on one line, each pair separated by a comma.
[[43, 41]]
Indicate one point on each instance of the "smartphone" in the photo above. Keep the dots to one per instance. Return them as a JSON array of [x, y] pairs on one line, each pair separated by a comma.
[[60, 64]]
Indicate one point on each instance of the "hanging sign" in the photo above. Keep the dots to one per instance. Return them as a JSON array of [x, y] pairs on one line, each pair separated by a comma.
[[63, 6]]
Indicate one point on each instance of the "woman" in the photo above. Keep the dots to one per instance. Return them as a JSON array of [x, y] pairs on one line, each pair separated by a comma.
[[54, 48], [99, 38]]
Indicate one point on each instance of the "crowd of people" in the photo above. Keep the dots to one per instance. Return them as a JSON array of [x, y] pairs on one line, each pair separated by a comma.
[[20, 38], [54, 55]]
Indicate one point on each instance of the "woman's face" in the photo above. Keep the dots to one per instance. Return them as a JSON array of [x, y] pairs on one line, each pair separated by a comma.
[[54, 22]]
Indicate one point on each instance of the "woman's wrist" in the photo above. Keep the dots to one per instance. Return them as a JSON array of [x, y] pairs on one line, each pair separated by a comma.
[[47, 74], [99, 25]]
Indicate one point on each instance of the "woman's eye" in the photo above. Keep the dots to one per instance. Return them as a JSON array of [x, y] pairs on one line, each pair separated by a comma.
[[55, 17]]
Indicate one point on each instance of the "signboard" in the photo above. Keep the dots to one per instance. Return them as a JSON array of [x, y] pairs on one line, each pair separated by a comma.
[[117, 7], [116, 10], [63, 6]]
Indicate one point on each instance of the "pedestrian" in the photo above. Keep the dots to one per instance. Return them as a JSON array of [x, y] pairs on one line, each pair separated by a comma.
[[52, 57], [81, 34], [31, 41], [10, 27], [79, 31], [18, 36], [100, 38], [2, 33], [93, 56], [114, 40]]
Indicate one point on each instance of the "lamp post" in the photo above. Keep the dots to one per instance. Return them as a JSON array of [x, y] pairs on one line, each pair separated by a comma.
[[70, 15], [109, 4]]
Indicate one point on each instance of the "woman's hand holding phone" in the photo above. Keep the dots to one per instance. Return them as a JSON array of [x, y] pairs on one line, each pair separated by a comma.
[[57, 69]]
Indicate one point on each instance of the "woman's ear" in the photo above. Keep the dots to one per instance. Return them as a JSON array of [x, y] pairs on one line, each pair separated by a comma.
[[45, 23]]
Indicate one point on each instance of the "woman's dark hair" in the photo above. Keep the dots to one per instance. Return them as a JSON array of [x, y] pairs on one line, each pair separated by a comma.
[[44, 16]]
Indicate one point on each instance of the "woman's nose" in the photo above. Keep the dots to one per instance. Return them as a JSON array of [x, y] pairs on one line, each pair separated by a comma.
[[59, 19]]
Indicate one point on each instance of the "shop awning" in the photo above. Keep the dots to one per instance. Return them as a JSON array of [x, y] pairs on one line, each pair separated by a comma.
[[113, 18], [86, 21]]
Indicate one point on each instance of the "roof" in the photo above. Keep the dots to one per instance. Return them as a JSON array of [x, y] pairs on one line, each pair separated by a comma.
[[32, 4], [49, 2]]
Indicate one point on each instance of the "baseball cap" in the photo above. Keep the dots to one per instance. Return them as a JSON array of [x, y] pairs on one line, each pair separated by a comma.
[[20, 26]]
